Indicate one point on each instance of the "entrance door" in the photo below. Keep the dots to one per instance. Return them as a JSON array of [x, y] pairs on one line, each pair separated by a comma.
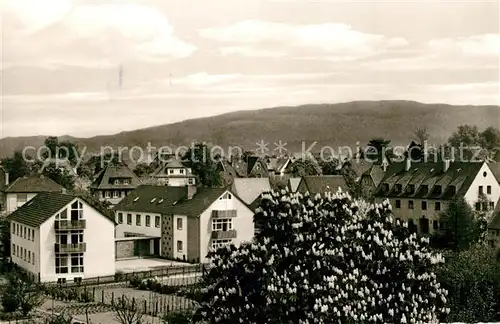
[[156, 246]]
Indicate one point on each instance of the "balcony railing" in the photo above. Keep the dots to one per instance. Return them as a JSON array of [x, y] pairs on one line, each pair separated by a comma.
[[70, 224], [224, 213], [70, 248], [221, 235]]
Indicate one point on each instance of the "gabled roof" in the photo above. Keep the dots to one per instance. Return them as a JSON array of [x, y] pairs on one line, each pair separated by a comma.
[[172, 163], [141, 199], [43, 206], [252, 162], [322, 184], [359, 166], [250, 188], [495, 168], [203, 198], [240, 167], [34, 183], [122, 171], [277, 164], [293, 184], [428, 178]]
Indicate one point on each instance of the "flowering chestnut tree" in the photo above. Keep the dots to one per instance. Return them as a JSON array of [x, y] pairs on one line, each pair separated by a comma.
[[324, 259]]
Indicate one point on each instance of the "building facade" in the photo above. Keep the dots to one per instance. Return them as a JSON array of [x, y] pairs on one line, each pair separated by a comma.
[[26, 188], [420, 192], [58, 237], [114, 183], [173, 173]]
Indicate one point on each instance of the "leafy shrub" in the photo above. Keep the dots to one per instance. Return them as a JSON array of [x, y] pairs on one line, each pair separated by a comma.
[[135, 281], [60, 319], [182, 317], [119, 276], [327, 259], [10, 303], [167, 290], [143, 285], [86, 296]]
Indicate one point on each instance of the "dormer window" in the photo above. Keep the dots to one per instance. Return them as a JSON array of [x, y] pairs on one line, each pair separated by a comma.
[[453, 190], [170, 171], [117, 182], [385, 187], [410, 188], [424, 188], [438, 190], [126, 181], [181, 171], [398, 188]]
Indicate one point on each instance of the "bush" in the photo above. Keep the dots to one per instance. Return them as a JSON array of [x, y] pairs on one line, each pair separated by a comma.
[[119, 276], [325, 259], [168, 290], [473, 281], [183, 317], [143, 286], [10, 303], [86, 296], [135, 281]]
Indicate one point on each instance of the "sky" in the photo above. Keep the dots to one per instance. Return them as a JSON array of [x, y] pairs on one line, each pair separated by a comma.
[[99, 67]]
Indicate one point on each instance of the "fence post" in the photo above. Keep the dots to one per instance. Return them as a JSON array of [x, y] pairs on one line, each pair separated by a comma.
[[102, 295], [145, 307], [112, 298], [93, 292]]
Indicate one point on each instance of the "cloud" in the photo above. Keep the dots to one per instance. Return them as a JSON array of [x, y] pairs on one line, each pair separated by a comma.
[[250, 52], [330, 38], [476, 45], [60, 32]]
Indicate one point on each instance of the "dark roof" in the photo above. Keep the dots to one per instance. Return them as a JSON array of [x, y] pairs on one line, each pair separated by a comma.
[[251, 161], [376, 173], [105, 178], [428, 180], [43, 206], [495, 168], [277, 164], [495, 222], [203, 198], [35, 183], [141, 199], [322, 184], [256, 203]]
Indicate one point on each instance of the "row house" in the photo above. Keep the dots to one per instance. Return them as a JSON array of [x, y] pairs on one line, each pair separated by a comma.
[[419, 192], [173, 173], [24, 189], [188, 222], [59, 237], [114, 183]]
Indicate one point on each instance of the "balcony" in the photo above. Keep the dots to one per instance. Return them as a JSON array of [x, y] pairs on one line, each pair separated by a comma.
[[70, 224], [70, 248], [222, 235], [224, 213]]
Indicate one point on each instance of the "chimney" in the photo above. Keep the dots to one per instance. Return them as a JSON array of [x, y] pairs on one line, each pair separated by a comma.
[[408, 164], [446, 165], [191, 191], [6, 179]]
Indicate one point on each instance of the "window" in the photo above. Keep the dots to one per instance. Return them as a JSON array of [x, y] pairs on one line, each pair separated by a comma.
[[62, 263], [107, 194], [481, 191], [410, 204], [77, 262], [157, 221], [492, 205], [435, 225], [138, 220], [485, 205], [220, 243], [17, 250], [410, 189], [398, 203], [24, 254], [478, 206], [76, 236], [33, 235], [181, 171], [485, 174], [398, 188], [488, 190], [227, 195], [22, 198], [179, 223], [222, 224], [424, 205], [148, 220], [120, 218], [170, 171], [13, 249], [17, 229], [29, 234], [190, 181], [437, 205], [76, 210], [24, 230], [116, 194], [179, 246], [126, 181], [438, 190], [13, 228], [33, 258], [29, 256], [129, 219], [117, 182]]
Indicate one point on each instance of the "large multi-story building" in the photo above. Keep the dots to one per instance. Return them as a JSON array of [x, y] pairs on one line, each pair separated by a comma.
[[58, 237], [114, 183], [180, 222], [419, 192]]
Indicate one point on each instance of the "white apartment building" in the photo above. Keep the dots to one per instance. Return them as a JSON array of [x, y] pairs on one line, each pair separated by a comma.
[[58, 237], [419, 192], [26, 188], [192, 220]]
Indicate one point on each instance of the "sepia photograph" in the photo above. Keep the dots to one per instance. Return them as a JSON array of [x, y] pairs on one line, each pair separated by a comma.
[[249, 161]]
